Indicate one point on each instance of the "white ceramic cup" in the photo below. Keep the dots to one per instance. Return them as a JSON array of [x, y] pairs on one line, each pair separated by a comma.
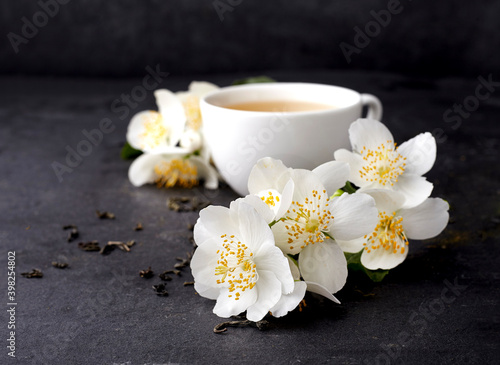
[[238, 139]]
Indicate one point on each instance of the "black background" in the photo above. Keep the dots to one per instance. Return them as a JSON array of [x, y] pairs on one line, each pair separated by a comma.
[[119, 38]]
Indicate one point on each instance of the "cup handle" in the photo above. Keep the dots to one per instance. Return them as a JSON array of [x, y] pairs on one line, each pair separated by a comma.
[[374, 106]]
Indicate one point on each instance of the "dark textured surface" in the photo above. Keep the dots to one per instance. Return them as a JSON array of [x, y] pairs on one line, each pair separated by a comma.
[[106, 38], [99, 311]]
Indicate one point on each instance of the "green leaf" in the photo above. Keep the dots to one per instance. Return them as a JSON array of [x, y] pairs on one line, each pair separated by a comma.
[[376, 275], [128, 152], [353, 258], [194, 153], [348, 188], [253, 80], [354, 264]]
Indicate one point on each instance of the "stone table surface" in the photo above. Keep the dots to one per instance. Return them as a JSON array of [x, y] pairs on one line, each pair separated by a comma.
[[100, 311]]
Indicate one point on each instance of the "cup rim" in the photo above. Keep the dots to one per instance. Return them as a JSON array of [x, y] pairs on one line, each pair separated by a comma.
[[268, 85]]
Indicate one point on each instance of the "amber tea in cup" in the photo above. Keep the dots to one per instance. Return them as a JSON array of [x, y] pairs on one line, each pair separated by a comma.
[[279, 106]]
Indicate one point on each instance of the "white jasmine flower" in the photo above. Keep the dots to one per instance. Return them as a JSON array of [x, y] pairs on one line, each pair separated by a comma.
[[172, 170], [377, 163], [269, 180], [313, 221], [174, 135], [237, 262], [191, 102], [289, 302], [178, 120], [191, 140], [387, 245], [159, 132]]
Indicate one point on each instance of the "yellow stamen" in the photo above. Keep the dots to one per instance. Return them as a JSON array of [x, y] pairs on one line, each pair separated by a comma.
[[388, 234], [236, 266], [306, 222], [176, 172], [192, 110], [155, 131], [312, 225], [270, 199], [383, 165]]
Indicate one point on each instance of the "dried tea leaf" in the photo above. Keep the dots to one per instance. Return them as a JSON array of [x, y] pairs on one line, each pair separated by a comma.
[[173, 205], [147, 274], [89, 246], [187, 283], [104, 215], [121, 245], [186, 204], [197, 204], [73, 234], [160, 290], [138, 227], [35, 273], [163, 276], [180, 265], [174, 271], [183, 261], [222, 327], [107, 249], [59, 265]]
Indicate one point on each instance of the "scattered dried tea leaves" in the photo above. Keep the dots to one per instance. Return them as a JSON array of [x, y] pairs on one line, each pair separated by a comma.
[[121, 245], [186, 204], [147, 274], [107, 249], [35, 273], [176, 272], [59, 265], [124, 246], [183, 261], [89, 246], [160, 290], [222, 327], [73, 233], [138, 227], [163, 276], [104, 215]]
